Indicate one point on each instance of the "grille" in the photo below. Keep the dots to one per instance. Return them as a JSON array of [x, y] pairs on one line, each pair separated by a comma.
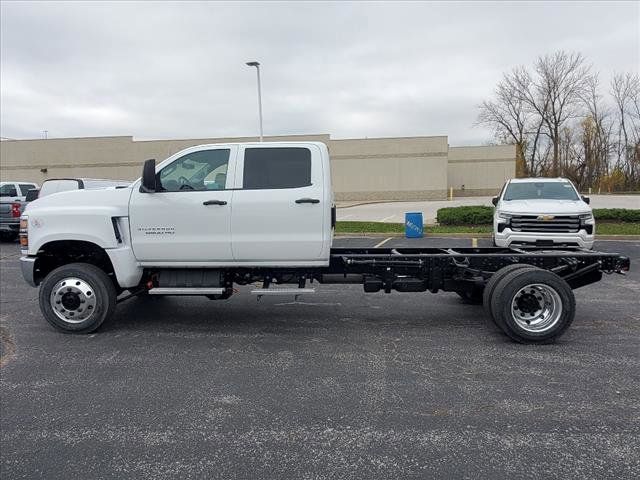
[[535, 223]]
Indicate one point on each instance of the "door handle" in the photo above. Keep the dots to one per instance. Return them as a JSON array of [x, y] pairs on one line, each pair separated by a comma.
[[214, 202], [307, 200]]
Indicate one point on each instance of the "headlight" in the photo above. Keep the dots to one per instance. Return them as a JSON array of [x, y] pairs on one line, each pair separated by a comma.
[[503, 217], [586, 216], [24, 232]]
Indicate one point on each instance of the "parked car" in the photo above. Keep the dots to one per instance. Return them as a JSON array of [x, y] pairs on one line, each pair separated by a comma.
[[12, 202], [12, 191], [542, 212], [55, 185]]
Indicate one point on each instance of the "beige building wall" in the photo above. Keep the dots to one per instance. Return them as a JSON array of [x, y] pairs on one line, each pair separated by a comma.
[[480, 170], [405, 168], [412, 168], [118, 158]]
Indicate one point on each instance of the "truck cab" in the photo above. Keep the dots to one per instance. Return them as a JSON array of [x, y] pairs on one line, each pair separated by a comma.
[[208, 206], [262, 204]]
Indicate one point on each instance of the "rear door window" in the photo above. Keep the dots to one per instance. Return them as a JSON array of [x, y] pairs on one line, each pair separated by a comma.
[[275, 168]]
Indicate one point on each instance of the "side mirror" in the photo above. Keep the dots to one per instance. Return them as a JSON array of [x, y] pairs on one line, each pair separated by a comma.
[[31, 195], [148, 184], [494, 200], [586, 200]]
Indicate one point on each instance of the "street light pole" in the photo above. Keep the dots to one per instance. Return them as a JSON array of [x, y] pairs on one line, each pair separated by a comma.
[[257, 65]]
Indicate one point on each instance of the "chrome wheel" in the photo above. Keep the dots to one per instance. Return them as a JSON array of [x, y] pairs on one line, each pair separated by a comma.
[[73, 300], [536, 308]]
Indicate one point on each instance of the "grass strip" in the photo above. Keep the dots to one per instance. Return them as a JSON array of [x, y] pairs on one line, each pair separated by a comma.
[[603, 228]]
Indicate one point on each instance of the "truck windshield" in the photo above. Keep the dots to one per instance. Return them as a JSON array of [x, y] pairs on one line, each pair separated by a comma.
[[540, 191]]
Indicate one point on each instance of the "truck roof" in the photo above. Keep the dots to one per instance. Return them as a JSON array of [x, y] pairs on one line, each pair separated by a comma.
[[258, 144]]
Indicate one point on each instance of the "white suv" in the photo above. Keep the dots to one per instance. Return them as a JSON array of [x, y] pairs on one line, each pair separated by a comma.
[[542, 212]]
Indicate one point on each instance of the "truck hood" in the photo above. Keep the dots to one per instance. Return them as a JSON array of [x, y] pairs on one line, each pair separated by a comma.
[[552, 207], [116, 200]]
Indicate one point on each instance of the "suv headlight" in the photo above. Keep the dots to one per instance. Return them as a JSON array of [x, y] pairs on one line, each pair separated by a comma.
[[503, 217], [587, 223]]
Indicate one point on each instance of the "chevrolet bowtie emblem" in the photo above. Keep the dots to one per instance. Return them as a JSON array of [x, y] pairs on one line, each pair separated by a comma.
[[546, 218]]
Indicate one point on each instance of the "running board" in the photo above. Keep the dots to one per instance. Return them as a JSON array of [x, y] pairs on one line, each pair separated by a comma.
[[260, 292], [186, 291]]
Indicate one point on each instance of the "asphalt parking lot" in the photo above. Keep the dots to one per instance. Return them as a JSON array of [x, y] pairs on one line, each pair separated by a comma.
[[336, 385]]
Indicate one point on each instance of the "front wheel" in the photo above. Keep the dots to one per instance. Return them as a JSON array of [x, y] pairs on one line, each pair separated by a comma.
[[77, 298]]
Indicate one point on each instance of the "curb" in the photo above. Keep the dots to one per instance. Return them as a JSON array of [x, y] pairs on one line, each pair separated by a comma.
[[464, 235], [401, 235]]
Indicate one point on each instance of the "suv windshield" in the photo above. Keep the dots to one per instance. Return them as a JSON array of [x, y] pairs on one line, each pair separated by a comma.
[[540, 191]]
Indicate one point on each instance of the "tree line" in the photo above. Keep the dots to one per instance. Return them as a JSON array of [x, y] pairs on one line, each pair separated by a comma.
[[565, 122]]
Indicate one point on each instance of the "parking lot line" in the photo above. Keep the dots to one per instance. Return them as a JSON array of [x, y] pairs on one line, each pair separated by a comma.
[[382, 242]]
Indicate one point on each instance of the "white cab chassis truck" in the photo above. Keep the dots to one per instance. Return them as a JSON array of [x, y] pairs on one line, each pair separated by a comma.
[[214, 216]]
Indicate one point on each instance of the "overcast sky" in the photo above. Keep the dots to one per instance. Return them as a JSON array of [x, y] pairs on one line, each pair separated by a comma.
[[176, 70]]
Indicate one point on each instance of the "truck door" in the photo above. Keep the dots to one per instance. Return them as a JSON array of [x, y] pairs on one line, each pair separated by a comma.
[[279, 204], [189, 218]]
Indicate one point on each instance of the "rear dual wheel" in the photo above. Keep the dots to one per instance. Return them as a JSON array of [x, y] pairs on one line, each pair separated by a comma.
[[530, 305]]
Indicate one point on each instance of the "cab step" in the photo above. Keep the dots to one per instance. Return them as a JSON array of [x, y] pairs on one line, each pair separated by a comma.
[[296, 292], [186, 291]]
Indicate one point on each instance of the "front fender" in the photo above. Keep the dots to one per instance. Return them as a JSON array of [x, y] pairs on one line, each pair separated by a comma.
[[45, 227]]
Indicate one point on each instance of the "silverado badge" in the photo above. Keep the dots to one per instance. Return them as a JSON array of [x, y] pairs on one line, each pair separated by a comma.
[[546, 218]]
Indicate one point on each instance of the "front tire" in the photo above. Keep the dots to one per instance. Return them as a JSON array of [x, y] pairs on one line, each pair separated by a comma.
[[77, 298], [533, 306]]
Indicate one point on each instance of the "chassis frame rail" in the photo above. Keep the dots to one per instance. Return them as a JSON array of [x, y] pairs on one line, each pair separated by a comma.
[[465, 269]]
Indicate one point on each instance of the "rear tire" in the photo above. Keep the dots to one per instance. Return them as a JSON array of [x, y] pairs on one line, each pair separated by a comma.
[[77, 298], [533, 305], [493, 282]]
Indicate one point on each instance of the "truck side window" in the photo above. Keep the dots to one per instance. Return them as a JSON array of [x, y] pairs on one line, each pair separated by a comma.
[[270, 168], [201, 170]]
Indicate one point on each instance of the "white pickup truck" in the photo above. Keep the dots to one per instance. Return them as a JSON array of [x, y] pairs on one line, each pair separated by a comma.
[[542, 212], [215, 216]]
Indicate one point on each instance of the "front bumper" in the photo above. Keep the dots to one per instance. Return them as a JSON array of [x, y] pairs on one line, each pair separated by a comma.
[[507, 237], [28, 267]]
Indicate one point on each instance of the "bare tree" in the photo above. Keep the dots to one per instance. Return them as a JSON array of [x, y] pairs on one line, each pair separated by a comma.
[[508, 117], [625, 90], [561, 124], [596, 131], [555, 93]]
